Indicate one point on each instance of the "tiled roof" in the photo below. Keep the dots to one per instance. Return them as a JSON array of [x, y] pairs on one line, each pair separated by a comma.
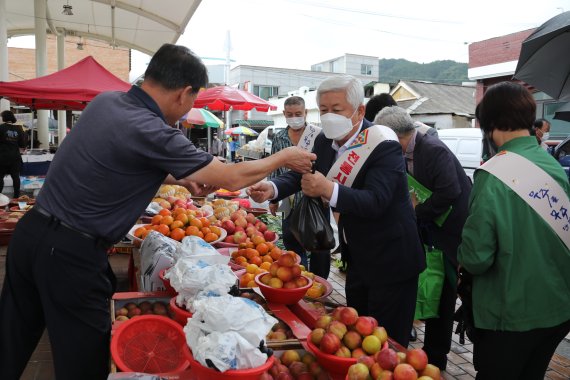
[[437, 98]]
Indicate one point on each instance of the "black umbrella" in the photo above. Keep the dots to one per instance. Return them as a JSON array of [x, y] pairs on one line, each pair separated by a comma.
[[563, 112], [544, 61]]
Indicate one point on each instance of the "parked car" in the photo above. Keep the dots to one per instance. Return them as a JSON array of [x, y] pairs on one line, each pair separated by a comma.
[[562, 155], [466, 144]]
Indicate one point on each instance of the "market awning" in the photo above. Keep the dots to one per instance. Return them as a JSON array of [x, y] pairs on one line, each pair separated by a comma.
[[137, 24]]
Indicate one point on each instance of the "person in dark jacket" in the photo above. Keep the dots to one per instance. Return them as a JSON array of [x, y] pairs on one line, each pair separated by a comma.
[[12, 138], [433, 165]]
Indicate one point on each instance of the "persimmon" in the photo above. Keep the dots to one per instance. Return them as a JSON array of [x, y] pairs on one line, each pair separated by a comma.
[[139, 232], [250, 253], [177, 234], [216, 230], [205, 222], [156, 219], [256, 260], [257, 239], [205, 230], [275, 253], [176, 224], [210, 237], [163, 229], [196, 222], [267, 259], [182, 218], [265, 265], [262, 248], [164, 212], [192, 230], [167, 220]]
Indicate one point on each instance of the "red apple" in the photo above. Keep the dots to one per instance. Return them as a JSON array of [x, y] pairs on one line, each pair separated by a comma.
[[241, 222], [269, 235], [336, 312], [375, 370], [366, 360], [330, 343], [239, 237], [387, 359], [417, 358], [405, 371], [262, 227], [348, 316], [364, 325]]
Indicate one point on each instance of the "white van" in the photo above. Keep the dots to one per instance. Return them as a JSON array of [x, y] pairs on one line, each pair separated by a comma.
[[466, 144]]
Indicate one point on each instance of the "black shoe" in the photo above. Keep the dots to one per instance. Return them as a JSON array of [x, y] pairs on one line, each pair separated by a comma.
[[413, 335]]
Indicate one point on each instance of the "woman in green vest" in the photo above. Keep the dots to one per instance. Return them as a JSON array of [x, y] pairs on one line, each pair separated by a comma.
[[519, 262]]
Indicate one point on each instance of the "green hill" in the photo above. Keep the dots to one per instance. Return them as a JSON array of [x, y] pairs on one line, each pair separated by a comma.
[[393, 70]]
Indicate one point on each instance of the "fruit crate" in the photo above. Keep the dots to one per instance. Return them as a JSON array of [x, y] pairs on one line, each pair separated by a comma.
[[123, 247], [119, 300]]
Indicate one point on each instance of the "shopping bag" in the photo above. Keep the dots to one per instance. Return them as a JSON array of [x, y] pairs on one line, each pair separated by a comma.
[[430, 284], [310, 226]]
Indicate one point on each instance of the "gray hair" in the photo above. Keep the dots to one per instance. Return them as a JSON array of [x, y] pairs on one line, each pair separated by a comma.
[[351, 85], [397, 119]]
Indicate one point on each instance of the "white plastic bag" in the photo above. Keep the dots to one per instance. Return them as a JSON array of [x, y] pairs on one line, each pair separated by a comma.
[[228, 331], [196, 248], [157, 253]]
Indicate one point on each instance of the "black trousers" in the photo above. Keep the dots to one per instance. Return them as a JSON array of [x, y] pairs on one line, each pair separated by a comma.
[[511, 355], [12, 169], [438, 331], [319, 262], [393, 305], [58, 279]]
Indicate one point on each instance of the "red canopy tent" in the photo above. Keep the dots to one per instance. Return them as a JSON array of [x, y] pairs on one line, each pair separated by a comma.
[[68, 89]]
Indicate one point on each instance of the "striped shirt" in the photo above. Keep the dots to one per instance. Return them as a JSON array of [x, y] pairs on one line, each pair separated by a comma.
[[281, 141]]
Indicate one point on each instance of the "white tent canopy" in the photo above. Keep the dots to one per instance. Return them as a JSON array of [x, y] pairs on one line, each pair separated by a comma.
[[142, 25]]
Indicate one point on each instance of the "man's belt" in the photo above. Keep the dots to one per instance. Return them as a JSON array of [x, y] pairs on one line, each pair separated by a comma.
[[99, 242]]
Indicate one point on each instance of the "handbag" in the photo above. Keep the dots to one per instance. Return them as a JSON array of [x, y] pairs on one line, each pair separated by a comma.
[[430, 285], [310, 226]]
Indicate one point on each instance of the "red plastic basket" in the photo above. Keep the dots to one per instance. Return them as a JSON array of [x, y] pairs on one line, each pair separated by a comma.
[[179, 314], [204, 373], [280, 295], [335, 365], [166, 283], [150, 344]]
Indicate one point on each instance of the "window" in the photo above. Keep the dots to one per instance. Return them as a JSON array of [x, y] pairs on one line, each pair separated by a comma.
[[365, 69], [265, 92]]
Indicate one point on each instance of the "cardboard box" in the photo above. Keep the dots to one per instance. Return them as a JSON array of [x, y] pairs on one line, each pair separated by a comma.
[[123, 247]]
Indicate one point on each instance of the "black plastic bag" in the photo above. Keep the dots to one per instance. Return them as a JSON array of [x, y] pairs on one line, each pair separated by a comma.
[[311, 227]]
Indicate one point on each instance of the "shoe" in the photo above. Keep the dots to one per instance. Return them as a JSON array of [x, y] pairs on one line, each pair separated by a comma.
[[413, 335]]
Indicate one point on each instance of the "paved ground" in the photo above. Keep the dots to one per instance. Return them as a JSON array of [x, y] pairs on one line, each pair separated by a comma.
[[460, 365]]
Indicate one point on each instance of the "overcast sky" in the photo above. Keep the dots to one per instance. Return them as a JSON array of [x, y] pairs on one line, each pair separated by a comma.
[[298, 33]]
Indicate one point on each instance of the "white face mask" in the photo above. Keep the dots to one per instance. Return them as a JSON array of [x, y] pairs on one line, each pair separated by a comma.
[[335, 126], [545, 136], [295, 122]]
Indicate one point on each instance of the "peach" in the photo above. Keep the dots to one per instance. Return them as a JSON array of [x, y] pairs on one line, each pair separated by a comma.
[[358, 371], [330, 343], [289, 357], [358, 352], [364, 326], [375, 370], [323, 321], [431, 371], [336, 312], [286, 260], [337, 328], [352, 340], [284, 273], [387, 359], [371, 345], [317, 335], [348, 316], [275, 283], [380, 333], [366, 360], [343, 352], [405, 371], [417, 358]]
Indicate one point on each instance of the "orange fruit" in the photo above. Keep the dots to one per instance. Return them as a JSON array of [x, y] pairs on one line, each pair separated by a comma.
[[176, 224], [251, 284], [167, 220], [265, 265], [145, 233], [257, 239], [139, 232], [251, 268], [275, 253], [182, 217], [247, 277], [267, 259], [192, 230], [210, 237], [177, 234], [196, 222], [205, 230], [156, 219], [250, 253], [262, 248], [205, 222], [216, 230], [240, 260], [163, 229], [256, 260], [164, 212], [177, 211]]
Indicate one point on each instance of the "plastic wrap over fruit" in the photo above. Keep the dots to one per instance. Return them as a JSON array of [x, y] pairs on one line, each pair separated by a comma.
[[227, 331], [195, 248], [157, 253]]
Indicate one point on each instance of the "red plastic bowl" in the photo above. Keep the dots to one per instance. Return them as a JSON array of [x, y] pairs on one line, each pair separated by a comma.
[[204, 373], [280, 295], [333, 364], [179, 314], [327, 285], [223, 244], [166, 283], [150, 344]]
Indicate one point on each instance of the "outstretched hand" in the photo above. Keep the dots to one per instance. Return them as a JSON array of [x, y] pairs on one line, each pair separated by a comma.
[[298, 159], [200, 190], [261, 191]]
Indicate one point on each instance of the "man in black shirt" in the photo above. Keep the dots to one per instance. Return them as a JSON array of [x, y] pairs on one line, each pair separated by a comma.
[[12, 138]]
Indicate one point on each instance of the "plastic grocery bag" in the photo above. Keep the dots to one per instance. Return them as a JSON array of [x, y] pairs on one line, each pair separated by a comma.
[[133, 376], [227, 331], [310, 226], [430, 284], [195, 248], [157, 253]]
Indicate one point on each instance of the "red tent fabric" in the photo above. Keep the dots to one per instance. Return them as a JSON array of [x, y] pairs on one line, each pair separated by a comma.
[[68, 89]]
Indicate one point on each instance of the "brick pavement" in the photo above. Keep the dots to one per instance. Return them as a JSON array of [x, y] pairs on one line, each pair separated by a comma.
[[460, 359]]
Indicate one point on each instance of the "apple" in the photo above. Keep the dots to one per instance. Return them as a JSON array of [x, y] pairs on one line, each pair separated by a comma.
[[358, 371], [371, 345], [336, 312], [317, 335], [315, 369], [405, 371], [366, 360], [323, 321], [358, 352], [250, 230], [239, 229], [269, 235], [352, 340], [122, 318], [380, 333], [122, 312], [286, 260], [330, 343], [273, 269], [375, 370], [348, 316], [265, 376], [250, 218], [308, 358], [343, 352], [401, 357], [134, 312], [284, 376], [239, 237], [431, 371], [262, 227], [296, 270], [289, 357], [417, 358], [297, 368], [386, 375], [229, 226], [301, 282], [275, 282], [290, 285], [241, 222], [364, 326], [387, 359], [337, 328]]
